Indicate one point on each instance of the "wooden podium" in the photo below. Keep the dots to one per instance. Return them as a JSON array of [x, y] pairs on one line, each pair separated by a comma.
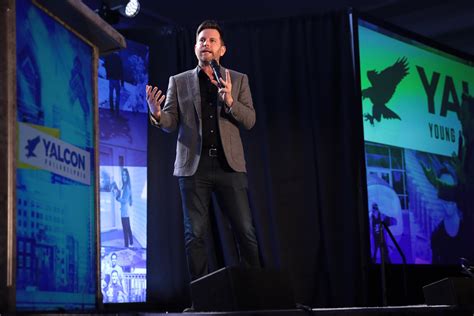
[[88, 27]]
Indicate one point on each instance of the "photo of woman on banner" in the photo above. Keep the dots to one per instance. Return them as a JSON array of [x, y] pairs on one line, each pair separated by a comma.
[[124, 197]]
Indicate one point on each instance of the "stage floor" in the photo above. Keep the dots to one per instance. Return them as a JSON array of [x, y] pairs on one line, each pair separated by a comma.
[[418, 310]]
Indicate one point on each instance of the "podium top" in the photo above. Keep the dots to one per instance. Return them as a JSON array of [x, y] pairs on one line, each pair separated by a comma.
[[87, 23]]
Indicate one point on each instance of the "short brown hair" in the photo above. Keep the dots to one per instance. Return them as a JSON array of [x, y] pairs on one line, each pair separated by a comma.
[[210, 24]]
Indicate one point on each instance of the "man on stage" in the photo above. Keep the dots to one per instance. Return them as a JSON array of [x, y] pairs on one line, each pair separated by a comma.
[[208, 112]]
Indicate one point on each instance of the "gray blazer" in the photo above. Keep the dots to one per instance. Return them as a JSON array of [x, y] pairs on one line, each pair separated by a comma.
[[182, 110]]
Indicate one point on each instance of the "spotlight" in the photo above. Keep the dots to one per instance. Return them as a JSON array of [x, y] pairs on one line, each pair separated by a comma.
[[131, 9], [110, 9]]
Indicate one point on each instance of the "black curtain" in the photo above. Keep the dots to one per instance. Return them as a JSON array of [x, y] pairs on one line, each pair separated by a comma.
[[304, 158]]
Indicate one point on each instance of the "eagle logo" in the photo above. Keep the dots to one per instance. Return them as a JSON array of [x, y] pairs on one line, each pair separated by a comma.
[[32, 143], [383, 87]]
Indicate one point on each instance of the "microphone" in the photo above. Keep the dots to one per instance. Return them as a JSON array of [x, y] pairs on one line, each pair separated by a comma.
[[217, 73]]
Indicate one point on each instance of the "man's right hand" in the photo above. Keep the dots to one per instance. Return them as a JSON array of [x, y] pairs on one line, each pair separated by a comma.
[[154, 98]]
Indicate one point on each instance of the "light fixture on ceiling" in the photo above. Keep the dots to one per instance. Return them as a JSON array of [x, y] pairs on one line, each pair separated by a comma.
[[131, 9], [110, 9]]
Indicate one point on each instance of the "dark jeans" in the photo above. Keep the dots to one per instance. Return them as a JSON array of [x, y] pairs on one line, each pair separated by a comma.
[[127, 231], [230, 188]]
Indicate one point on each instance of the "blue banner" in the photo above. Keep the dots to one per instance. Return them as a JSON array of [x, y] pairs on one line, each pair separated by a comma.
[[123, 121], [55, 176]]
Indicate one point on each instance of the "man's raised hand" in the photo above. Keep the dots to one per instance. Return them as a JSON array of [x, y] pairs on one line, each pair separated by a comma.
[[154, 98]]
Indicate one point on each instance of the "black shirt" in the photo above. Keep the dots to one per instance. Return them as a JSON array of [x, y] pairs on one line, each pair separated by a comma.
[[210, 130]]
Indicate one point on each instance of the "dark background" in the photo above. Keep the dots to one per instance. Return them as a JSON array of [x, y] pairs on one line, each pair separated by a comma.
[[448, 22], [305, 154]]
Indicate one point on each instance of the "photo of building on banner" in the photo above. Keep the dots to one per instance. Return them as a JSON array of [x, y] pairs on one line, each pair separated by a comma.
[[55, 231], [418, 118], [123, 120]]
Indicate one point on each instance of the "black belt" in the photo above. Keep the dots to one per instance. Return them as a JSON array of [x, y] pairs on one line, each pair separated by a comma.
[[211, 152]]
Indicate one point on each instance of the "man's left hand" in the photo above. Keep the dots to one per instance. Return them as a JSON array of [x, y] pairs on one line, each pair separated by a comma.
[[225, 93]]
